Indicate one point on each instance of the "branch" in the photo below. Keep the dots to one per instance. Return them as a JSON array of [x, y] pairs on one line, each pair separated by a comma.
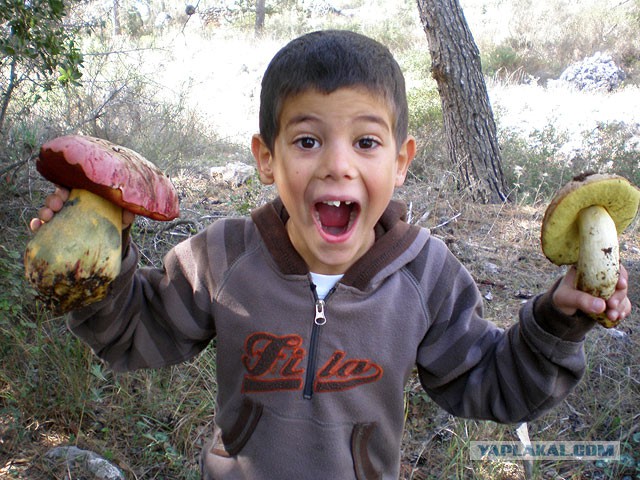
[[97, 112], [7, 94], [17, 164], [447, 221]]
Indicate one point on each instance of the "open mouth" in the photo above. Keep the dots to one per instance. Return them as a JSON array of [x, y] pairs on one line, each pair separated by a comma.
[[336, 217]]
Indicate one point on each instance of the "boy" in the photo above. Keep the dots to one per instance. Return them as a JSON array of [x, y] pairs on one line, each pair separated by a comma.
[[324, 301]]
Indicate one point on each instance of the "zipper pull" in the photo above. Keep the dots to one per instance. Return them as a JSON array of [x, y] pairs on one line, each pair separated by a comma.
[[320, 318]]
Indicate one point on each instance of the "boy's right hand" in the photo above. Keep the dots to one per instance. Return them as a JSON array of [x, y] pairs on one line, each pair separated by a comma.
[[54, 203]]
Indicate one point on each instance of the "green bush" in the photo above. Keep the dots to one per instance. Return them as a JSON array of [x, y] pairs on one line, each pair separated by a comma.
[[502, 58], [425, 124], [529, 164], [535, 166], [611, 148], [12, 287], [425, 109], [36, 49]]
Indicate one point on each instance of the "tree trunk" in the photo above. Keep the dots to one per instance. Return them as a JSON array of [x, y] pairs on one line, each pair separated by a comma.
[[6, 96], [115, 18], [260, 14], [468, 119]]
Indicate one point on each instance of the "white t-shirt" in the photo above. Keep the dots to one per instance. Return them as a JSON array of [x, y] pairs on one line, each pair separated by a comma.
[[324, 283]]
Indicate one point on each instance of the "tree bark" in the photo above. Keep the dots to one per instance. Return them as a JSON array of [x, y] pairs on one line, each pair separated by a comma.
[[6, 96], [260, 15], [467, 116], [115, 17]]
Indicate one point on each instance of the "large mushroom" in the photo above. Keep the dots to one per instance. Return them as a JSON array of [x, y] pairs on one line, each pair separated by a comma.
[[73, 258], [581, 226]]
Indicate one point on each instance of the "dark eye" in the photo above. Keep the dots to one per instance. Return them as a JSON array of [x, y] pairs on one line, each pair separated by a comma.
[[307, 143], [366, 143]]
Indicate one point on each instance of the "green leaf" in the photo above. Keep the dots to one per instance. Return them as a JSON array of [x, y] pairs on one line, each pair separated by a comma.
[[57, 7]]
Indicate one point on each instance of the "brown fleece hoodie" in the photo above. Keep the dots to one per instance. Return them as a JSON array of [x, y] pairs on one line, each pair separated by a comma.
[[318, 398]]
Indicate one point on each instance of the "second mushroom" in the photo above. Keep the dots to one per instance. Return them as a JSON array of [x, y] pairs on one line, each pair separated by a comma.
[[581, 226]]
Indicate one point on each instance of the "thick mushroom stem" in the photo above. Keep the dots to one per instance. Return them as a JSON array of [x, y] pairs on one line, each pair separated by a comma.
[[73, 258], [598, 264]]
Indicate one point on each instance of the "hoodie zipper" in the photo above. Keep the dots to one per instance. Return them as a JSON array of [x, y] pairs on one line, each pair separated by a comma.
[[319, 320]]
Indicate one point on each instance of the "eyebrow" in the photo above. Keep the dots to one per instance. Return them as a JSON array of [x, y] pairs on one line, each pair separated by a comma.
[[312, 118]]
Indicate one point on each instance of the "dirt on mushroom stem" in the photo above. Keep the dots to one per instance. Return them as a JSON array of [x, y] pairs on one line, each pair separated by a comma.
[[67, 291], [73, 258]]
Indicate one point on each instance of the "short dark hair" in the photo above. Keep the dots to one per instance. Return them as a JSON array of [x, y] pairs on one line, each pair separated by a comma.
[[326, 61]]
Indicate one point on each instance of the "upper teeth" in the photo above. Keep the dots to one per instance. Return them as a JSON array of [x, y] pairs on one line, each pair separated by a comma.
[[336, 203]]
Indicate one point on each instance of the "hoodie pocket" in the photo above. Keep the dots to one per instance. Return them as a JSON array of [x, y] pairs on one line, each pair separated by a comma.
[[262, 445], [360, 450], [231, 443]]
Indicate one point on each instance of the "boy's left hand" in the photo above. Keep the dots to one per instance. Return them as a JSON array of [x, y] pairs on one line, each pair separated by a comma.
[[568, 299]]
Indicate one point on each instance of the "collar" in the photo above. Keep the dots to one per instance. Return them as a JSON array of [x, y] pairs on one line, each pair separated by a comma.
[[393, 237]]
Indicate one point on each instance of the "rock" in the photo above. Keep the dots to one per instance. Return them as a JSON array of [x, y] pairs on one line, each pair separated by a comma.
[[617, 334], [234, 173], [598, 72], [319, 8], [491, 268], [79, 462]]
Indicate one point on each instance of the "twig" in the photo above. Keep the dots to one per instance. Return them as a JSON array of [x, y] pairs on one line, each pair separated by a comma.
[[446, 222], [18, 164], [176, 223], [424, 216], [97, 112], [523, 434], [120, 52]]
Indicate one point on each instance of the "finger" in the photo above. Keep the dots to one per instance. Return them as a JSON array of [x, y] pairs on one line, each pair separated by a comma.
[[127, 218], [623, 278], [626, 307], [54, 202], [35, 224], [568, 299], [620, 293], [566, 296], [570, 276], [616, 316], [623, 271], [590, 304], [619, 309], [45, 214], [63, 193]]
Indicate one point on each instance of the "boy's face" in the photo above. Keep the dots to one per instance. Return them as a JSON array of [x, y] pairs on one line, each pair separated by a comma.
[[335, 164]]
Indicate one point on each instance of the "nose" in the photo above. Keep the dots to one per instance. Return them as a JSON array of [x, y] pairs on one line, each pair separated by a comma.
[[338, 161]]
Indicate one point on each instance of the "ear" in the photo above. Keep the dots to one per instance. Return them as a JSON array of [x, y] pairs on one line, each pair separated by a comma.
[[406, 154], [264, 159]]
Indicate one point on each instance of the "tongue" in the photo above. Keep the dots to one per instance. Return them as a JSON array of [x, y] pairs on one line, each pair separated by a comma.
[[331, 216]]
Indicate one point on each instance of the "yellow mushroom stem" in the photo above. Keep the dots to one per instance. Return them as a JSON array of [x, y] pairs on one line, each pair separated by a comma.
[[73, 258], [598, 266]]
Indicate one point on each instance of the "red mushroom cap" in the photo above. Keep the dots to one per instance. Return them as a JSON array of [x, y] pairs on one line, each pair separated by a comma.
[[116, 173]]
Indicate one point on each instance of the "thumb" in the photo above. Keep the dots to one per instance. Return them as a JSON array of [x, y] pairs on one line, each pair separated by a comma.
[[567, 298]]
